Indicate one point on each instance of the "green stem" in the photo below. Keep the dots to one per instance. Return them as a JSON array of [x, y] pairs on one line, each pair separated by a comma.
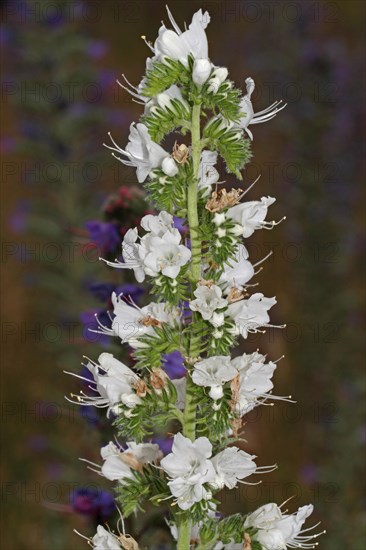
[[193, 220], [184, 536], [189, 423]]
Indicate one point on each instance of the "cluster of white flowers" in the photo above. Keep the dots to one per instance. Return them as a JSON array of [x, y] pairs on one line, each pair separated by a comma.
[[249, 315], [278, 530], [194, 472], [253, 375], [159, 251], [275, 530]]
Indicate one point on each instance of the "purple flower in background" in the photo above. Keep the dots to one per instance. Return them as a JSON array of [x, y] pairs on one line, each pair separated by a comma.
[[77, 110], [5, 35], [38, 443], [18, 219], [131, 290], [97, 49], [309, 473], [179, 223], [91, 501], [55, 470], [104, 234], [165, 444], [119, 117], [173, 365], [32, 130], [87, 387], [55, 19], [90, 414], [90, 323], [107, 79], [101, 291]]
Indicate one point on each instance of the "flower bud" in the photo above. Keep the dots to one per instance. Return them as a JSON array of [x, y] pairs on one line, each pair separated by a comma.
[[169, 167], [217, 319], [219, 218], [201, 71], [216, 392], [163, 100], [218, 77], [237, 230], [130, 400], [221, 74]]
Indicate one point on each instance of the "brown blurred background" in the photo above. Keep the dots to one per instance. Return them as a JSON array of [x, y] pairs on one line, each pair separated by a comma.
[[308, 53]]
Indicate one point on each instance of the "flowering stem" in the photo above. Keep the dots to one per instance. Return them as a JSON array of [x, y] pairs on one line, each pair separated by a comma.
[[193, 220], [189, 424]]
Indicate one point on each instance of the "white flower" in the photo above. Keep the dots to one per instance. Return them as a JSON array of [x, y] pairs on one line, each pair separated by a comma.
[[248, 115], [238, 271], [132, 257], [131, 322], [214, 372], [158, 225], [119, 465], [143, 153], [219, 75], [251, 215], [118, 381], [255, 380], [251, 314], [208, 300], [219, 218], [115, 383], [201, 71], [169, 167], [179, 45], [104, 540], [189, 468], [278, 531], [230, 465], [166, 256], [208, 174], [159, 251], [164, 100]]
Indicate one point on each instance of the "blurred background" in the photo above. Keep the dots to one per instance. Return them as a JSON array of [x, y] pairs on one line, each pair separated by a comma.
[[65, 202]]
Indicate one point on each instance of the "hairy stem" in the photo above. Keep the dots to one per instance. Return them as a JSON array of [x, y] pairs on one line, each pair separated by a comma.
[[189, 423], [193, 220]]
